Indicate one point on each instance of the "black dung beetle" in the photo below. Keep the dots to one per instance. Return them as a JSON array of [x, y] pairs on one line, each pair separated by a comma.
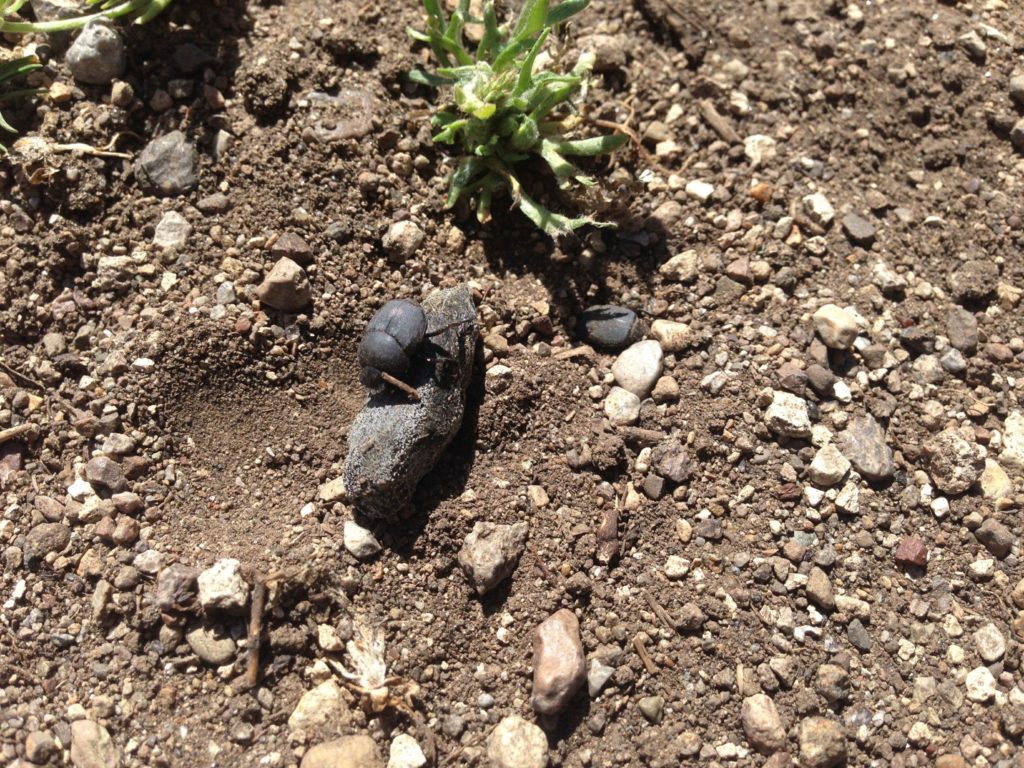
[[391, 340]]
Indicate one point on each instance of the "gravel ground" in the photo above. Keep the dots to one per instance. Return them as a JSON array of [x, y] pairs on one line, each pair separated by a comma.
[[771, 517]]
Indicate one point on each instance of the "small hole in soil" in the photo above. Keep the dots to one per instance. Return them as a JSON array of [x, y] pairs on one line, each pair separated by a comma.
[[249, 451]]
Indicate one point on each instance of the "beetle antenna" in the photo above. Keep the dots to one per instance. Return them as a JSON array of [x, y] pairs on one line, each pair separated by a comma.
[[395, 382]]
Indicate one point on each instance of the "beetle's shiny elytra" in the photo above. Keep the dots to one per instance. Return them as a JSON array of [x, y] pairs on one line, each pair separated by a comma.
[[390, 341]]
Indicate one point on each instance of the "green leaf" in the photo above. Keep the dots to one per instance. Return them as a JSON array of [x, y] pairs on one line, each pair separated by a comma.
[[525, 79], [447, 136], [423, 78], [492, 36], [531, 20], [564, 11], [599, 145]]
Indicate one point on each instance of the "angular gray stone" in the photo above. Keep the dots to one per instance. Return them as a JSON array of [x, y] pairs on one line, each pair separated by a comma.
[[105, 473], [172, 231], [46, 538], [394, 441], [863, 443], [168, 165], [491, 552], [176, 587], [221, 587], [559, 668], [962, 330], [97, 55], [995, 537], [859, 230]]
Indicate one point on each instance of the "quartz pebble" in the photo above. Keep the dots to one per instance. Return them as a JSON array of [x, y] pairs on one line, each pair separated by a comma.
[[359, 751], [559, 668], [981, 685], [516, 743], [324, 705], [490, 553], [222, 588], [92, 747], [828, 467], [819, 210], [836, 327], [822, 743], [359, 541], [621, 407], [990, 643], [762, 724], [954, 464], [787, 415], [406, 753], [637, 368]]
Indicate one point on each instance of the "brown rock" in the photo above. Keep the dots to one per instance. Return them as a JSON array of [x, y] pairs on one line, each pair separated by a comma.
[[559, 667], [912, 551], [357, 751], [762, 724], [105, 473], [286, 287], [822, 743]]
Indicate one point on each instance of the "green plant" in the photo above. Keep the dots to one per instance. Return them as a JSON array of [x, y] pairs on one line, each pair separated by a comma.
[[9, 70], [140, 10], [504, 112]]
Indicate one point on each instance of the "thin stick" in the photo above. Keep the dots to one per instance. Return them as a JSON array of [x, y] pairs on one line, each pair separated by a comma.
[[645, 657], [14, 432], [252, 668], [26, 380], [398, 383]]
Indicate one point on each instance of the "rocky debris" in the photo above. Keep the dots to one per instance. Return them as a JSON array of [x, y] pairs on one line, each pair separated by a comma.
[[393, 441], [671, 460], [403, 239], [995, 537], [97, 55], [359, 541], [762, 724], [682, 267], [406, 753], [962, 330], [359, 751], [40, 747], [912, 551], [92, 747], [637, 368], [516, 743], [994, 482], [759, 149], [828, 467], [292, 246], [491, 552], [168, 165], [673, 336], [859, 230], [212, 648], [609, 327], [598, 676], [954, 464], [46, 538], [1012, 455], [836, 327], [222, 588], [559, 667], [106, 474], [787, 415], [819, 589], [172, 231], [324, 706], [981, 684], [652, 708], [990, 643], [822, 743], [863, 443], [819, 210], [286, 287], [176, 587], [975, 281], [621, 407]]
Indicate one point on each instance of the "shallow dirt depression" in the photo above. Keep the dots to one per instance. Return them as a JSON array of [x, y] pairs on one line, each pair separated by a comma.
[[250, 443]]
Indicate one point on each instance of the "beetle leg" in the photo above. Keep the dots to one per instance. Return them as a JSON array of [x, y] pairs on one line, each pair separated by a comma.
[[400, 385]]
